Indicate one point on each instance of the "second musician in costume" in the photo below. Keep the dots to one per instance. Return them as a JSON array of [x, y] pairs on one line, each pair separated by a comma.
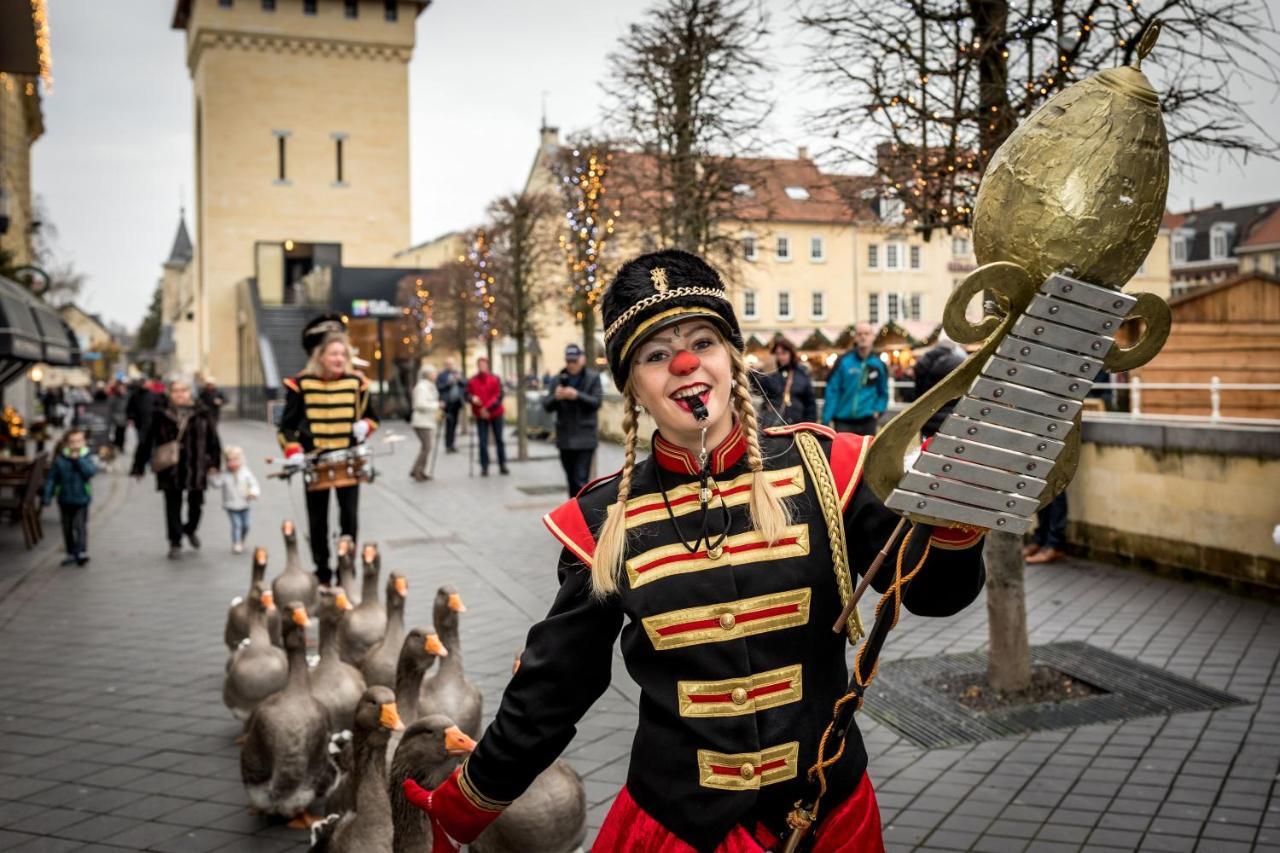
[[326, 408], [721, 561]]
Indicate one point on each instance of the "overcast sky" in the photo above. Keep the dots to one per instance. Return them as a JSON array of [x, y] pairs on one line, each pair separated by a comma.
[[116, 158]]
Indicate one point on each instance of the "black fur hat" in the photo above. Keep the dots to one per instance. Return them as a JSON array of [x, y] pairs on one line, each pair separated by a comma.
[[653, 291], [314, 333]]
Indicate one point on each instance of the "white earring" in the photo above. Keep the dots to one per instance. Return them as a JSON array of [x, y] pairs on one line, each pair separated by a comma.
[[733, 383], [639, 409]]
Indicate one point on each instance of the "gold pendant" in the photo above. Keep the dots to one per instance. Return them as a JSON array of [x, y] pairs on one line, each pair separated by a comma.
[[716, 552]]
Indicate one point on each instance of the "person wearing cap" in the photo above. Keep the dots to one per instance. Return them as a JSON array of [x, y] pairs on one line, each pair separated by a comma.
[[721, 560], [326, 408], [575, 398]]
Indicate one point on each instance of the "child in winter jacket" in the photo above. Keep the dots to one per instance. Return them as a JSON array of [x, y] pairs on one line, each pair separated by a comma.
[[239, 486], [73, 467]]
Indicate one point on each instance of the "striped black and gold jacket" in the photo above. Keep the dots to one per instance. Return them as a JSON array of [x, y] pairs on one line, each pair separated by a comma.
[[735, 656], [319, 413]]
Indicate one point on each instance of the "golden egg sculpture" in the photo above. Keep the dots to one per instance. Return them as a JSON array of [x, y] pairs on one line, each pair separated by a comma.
[[1079, 187]]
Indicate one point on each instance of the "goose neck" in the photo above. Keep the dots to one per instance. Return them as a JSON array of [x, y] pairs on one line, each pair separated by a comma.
[[299, 674], [408, 682]]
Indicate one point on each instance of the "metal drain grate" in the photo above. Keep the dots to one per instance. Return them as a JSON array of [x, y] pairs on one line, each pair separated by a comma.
[[900, 698], [543, 489]]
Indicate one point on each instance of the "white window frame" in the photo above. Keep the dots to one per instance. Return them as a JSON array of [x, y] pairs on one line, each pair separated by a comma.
[[961, 247], [873, 307], [818, 304], [891, 209], [749, 242], [1220, 231], [784, 295], [873, 256], [1178, 248], [915, 306], [915, 257], [782, 248], [893, 256], [893, 307], [816, 242], [750, 304]]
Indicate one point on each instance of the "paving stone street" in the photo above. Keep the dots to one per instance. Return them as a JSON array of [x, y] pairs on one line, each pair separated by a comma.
[[113, 734]]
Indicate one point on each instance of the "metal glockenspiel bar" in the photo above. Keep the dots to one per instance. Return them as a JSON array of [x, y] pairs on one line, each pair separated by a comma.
[[989, 462]]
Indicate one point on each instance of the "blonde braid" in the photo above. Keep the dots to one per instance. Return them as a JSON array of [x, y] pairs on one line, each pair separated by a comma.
[[768, 512], [612, 543]]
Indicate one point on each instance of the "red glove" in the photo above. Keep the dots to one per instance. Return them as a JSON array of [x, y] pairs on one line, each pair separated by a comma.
[[456, 819]]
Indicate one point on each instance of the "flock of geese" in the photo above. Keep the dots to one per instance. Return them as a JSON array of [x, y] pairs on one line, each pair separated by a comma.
[[350, 727]]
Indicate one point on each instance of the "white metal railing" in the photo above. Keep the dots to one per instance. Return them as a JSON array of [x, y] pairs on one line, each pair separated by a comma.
[[1136, 387]]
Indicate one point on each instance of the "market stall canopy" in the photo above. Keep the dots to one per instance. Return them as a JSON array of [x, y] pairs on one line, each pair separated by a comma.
[[31, 332]]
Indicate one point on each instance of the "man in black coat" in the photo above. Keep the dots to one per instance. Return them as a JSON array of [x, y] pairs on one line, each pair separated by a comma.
[[575, 398], [931, 369], [452, 388]]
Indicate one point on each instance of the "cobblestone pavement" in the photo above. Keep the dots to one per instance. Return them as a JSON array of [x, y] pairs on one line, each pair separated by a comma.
[[113, 734]]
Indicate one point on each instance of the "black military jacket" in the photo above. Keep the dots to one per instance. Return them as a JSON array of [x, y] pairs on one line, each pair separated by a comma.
[[319, 413], [735, 657]]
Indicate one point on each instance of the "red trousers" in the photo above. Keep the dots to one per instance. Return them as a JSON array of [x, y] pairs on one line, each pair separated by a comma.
[[850, 827]]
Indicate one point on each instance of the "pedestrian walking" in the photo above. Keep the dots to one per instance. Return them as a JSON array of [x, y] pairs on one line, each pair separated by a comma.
[[69, 482], [211, 397], [858, 387], [452, 388], [141, 407], [720, 559], [932, 367], [182, 448], [425, 419], [239, 489], [575, 398], [788, 392], [117, 404], [326, 407], [1049, 541], [484, 390]]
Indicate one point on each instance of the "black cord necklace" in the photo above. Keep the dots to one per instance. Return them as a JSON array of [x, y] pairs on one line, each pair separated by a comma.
[[714, 550]]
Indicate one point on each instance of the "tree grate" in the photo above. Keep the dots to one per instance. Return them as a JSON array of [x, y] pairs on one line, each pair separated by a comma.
[[901, 699]]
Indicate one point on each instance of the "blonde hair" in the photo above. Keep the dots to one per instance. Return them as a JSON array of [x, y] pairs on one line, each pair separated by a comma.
[[313, 363], [769, 513], [231, 452]]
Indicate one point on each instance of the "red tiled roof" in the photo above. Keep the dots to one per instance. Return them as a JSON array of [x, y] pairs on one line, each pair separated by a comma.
[[1265, 231], [1172, 220]]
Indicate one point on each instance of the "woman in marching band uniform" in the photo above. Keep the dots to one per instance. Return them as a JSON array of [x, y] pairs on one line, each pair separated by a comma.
[[721, 560], [325, 408]]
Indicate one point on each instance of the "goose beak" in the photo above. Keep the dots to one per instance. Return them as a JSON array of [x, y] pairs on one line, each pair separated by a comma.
[[342, 601], [456, 605], [300, 617], [260, 556], [268, 600], [436, 647], [515, 666], [343, 547], [370, 553], [458, 742], [402, 586], [389, 718], [287, 528]]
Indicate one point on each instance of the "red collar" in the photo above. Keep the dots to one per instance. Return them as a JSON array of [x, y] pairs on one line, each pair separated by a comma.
[[724, 456]]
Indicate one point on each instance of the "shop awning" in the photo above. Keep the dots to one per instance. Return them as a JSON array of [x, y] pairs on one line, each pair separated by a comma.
[[31, 332]]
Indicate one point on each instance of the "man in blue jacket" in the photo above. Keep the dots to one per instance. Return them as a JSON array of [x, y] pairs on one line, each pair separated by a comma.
[[858, 387], [68, 480]]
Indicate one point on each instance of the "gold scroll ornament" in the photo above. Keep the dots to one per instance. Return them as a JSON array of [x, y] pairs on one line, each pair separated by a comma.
[[1078, 188]]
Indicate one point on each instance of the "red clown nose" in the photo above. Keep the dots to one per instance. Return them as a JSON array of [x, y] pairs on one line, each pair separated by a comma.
[[684, 363]]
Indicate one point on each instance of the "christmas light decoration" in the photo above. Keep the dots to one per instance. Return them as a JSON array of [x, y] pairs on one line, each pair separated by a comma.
[[588, 224], [478, 260]]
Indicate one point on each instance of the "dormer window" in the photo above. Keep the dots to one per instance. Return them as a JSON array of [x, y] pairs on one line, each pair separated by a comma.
[[1220, 241], [891, 209], [797, 193], [1180, 245], [744, 190]]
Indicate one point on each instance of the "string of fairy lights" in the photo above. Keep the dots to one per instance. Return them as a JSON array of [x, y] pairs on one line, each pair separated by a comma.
[[588, 224], [478, 259]]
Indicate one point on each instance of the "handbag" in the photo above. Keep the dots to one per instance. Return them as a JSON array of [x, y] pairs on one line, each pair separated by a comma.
[[166, 456]]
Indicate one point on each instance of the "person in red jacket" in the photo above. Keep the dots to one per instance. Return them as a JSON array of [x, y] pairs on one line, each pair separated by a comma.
[[484, 390]]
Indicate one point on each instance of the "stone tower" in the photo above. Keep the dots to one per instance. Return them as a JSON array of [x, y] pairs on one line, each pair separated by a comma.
[[301, 149]]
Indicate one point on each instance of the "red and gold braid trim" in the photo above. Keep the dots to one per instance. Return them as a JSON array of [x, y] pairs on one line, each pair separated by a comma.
[[569, 527], [956, 538], [748, 771], [789, 429], [649, 508], [732, 620], [733, 697], [474, 796], [738, 550]]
